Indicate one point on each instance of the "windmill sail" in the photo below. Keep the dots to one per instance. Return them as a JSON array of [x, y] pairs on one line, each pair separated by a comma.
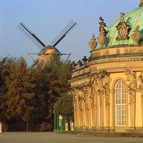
[[35, 63], [43, 48], [31, 36], [63, 33]]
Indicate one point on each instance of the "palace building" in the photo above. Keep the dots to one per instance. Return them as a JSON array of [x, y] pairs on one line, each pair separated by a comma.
[[107, 88]]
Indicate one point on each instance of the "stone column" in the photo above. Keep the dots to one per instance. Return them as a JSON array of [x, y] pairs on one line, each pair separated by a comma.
[[75, 109], [107, 107], [132, 110], [81, 109], [142, 108], [140, 89], [102, 111], [89, 112], [86, 109], [106, 88], [98, 113], [107, 116], [94, 109]]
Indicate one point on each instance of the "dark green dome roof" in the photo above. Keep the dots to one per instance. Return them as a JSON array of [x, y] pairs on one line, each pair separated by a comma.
[[133, 19]]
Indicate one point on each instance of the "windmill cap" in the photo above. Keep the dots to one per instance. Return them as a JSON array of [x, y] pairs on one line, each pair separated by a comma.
[[141, 3], [50, 48]]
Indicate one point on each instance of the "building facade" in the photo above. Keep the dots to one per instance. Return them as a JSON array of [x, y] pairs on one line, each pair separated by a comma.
[[108, 87]]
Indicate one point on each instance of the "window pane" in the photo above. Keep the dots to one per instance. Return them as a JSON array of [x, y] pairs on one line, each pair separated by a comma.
[[120, 103]]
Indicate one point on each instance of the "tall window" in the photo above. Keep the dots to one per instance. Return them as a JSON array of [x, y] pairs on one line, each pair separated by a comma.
[[120, 103]]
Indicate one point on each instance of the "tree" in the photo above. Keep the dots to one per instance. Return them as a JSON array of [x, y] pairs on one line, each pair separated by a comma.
[[6, 65], [29, 94], [19, 84], [64, 106], [51, 83]]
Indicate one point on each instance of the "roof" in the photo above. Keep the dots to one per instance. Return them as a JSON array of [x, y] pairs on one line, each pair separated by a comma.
[[133, 19], [44, 50]]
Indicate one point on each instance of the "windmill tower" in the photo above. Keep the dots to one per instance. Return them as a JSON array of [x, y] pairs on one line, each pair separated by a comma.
[[46, 52]]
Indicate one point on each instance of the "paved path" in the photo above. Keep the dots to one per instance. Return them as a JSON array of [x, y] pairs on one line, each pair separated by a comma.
[[22, 137]]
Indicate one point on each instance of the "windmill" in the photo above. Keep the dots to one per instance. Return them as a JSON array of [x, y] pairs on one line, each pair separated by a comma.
[[46, 52]]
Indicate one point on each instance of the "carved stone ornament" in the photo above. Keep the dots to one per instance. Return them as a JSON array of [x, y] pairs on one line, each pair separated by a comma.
[[106, 85], [80, 101], [123, 29], [102, 38], [97, 84], [137, 35], [86, 98], [140, 78], [73, 65], [102, 25], [79, 64], [92, 44], [84, 60], [132, 84], [100, 82]]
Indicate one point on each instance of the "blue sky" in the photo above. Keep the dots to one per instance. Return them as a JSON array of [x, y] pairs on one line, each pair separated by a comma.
[[46, 18]]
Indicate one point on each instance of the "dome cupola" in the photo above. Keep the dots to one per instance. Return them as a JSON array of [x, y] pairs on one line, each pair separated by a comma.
[[127, 30]]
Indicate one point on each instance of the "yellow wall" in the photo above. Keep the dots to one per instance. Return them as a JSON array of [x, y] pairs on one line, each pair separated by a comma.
[[138, 105], [114, 77]]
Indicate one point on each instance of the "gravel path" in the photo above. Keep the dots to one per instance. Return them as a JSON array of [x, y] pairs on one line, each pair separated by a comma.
[[46, 137]]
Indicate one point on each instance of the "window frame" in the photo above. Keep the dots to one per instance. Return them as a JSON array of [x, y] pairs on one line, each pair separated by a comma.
[[120, 103]]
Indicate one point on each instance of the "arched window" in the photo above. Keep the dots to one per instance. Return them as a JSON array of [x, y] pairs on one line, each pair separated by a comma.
[[120, 103]]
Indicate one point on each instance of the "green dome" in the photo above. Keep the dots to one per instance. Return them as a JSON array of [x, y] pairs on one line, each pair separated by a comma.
[[133, 19]]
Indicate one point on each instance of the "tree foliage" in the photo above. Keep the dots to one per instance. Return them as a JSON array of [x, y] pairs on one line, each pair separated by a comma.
[[51, 83], [19, 85], [64, 105], [29, 94]]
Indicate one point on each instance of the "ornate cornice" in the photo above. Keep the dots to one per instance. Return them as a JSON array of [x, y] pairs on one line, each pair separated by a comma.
[[116, 53], [79, 77], [116, 60]]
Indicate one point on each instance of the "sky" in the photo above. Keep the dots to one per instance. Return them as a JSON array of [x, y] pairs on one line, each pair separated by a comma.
[[46, 18]]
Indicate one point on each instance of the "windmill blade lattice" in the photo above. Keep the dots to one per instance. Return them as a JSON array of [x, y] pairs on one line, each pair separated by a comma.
[[31, 36], [63, 33]]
